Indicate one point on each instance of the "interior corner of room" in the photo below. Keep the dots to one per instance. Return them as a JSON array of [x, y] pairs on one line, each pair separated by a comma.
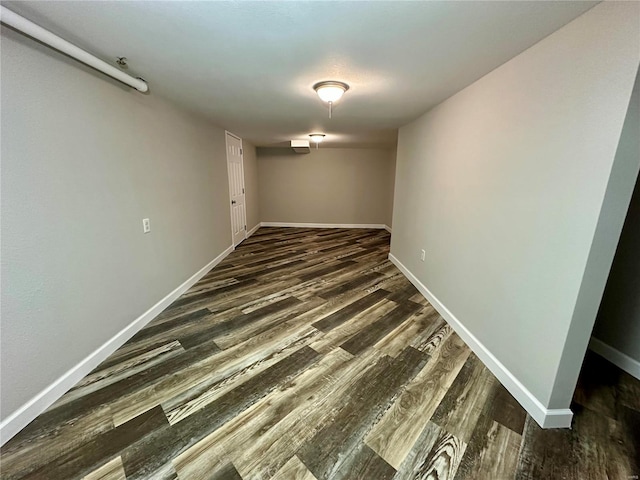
[[510, 199]]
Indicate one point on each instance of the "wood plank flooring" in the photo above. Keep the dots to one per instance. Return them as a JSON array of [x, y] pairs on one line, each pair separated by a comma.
[[307, 355]]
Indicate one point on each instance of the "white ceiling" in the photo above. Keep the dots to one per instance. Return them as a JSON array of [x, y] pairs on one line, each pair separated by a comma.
[[250, 66]]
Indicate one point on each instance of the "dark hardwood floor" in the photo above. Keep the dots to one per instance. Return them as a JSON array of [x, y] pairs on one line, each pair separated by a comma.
[[307, 355]]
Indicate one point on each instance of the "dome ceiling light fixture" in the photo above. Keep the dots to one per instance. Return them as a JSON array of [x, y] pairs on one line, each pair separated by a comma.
[[317, 138], [330, 91]]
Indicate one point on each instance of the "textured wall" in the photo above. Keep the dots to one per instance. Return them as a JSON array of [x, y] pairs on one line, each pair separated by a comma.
[[503, 186], [84, 160], [328, 185]]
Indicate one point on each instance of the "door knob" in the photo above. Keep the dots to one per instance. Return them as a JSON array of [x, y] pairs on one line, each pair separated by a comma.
[[233, 202]]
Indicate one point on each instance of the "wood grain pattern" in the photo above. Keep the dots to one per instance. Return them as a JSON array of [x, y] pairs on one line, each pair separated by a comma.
[[413, 462], [369, 335], [271, 449], [307, 355], [506, 410], [47, 437], [347, 312], [248, 431], [443, 459], [181, 406], [399, 428], [364, 463], [294, 469], [225, 472], [369, 397], [417, 324], [596, 447], [112, 470], [339, 335], [464, 401], [492, 452]]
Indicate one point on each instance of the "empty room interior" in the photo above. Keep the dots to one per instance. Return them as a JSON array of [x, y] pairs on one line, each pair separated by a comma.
[[320, 240]]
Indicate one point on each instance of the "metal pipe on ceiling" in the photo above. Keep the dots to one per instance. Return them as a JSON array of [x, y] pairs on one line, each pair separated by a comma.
[[29, 28]]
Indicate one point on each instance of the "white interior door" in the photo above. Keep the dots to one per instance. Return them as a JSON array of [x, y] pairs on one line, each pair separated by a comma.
[[236, 188]]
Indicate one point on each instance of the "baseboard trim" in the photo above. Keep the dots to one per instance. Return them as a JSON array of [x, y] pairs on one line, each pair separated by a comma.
[[380, 226], [325, 225], [253, 230], [38, 404], [615, 356], [545, 417]]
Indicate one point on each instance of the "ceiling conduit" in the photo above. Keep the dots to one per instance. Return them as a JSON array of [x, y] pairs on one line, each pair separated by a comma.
[[29, 28]]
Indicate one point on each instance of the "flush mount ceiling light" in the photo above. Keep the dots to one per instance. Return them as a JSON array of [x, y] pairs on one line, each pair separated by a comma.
[[330, 91], [317, 138]]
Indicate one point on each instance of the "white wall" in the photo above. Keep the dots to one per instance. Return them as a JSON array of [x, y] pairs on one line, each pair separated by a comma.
[[503, 186], [328, 185], [618, 322], [84, 159]]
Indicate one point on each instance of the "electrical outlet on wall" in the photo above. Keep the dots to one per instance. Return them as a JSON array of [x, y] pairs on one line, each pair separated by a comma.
[[422, 255], [146, 225]]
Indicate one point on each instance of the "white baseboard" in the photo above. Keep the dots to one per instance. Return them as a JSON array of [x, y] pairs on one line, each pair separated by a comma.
[[546, 418], [615, 356], [319, 225], [253, 230], [325, 225], [19, 419]]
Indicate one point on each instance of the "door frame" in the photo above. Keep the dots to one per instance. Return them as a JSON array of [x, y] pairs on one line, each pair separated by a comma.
[[227, 133]]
